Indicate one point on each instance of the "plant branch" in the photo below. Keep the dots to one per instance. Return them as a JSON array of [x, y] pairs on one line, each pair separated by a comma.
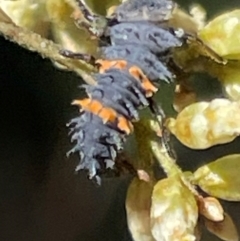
[[46, 48]]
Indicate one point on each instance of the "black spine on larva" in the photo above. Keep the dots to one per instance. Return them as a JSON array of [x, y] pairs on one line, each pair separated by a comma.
[[97, 144], [125, 96], [139, 44], [140, 56]]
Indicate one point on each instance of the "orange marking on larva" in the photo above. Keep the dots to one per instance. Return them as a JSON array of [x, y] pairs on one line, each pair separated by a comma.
[[107, 64], [107, 114], [96, 107], [125, 125], [137, 73], [90, 105], [82, 103]]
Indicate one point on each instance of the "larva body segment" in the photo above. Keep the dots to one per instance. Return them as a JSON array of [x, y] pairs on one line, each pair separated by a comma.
[[141, 56], [123, 98], [145, 34], [130, 65]]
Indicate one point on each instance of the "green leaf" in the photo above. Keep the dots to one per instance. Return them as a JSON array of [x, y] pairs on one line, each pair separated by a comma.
[[138, 205], [222, 34], [221, 178], [225, 230], [174, 211]]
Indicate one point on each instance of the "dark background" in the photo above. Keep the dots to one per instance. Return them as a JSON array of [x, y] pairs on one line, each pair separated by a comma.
[[40, 197]]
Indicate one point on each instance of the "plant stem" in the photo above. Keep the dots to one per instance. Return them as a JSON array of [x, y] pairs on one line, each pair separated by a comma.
[[167, 163], [46, 48]]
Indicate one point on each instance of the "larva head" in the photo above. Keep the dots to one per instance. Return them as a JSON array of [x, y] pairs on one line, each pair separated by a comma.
[[150, 10]]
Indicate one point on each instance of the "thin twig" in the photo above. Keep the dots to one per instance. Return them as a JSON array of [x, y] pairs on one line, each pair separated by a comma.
[[160, 148], [167, 163], [46, 48]]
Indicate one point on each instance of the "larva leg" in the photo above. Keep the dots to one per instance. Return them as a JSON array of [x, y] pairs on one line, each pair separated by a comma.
[[86, 13], [157, 110], [85, 57], [95, 24], [165, 134]]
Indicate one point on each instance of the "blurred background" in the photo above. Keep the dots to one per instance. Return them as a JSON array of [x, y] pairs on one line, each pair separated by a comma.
[[41, 198]]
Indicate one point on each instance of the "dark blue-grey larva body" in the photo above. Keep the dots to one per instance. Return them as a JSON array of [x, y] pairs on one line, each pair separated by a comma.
[[141, 42]]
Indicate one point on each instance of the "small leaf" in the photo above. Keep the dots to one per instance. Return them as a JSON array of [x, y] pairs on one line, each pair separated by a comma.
[[221, 178], [210, 208], [138, 205], [65, 31], [174, 211], [225, 230], [205, 124], [29, 14], [4, 17], [222, 34]]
